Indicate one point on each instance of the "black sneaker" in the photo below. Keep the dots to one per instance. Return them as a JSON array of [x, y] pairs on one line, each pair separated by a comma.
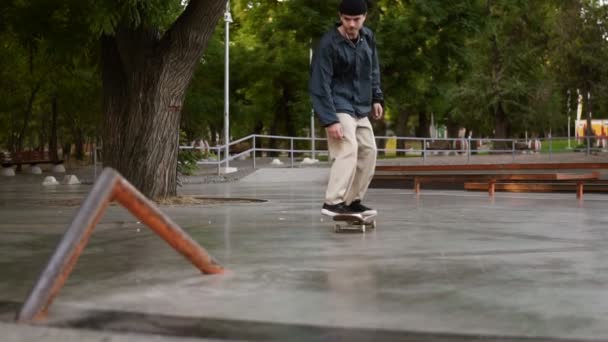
[[359, 208], [336, 209]]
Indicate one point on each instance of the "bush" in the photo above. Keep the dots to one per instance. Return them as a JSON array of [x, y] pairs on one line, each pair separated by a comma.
[[186, 162]]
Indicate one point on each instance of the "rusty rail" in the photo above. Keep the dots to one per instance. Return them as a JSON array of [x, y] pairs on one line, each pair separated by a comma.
[[110, 186]]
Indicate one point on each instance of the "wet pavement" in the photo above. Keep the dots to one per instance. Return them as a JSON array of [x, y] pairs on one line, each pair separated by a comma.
[[442, 266]]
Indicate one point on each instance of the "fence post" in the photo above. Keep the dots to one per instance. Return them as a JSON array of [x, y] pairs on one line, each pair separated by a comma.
[[469, 150], [219, 161], [550, 146], [291, 150], [94, 162], [314, 148], [423, 150], [513, 150], [254, 153]]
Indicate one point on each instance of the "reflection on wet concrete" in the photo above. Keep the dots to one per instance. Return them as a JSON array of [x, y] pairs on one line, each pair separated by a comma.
[[443, 266], [230, 329]]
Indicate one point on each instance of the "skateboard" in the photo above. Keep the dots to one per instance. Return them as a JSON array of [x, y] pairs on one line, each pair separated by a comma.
[[354, 222]]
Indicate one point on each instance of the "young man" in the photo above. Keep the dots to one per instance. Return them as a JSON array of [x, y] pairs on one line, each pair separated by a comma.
[[345, 90]]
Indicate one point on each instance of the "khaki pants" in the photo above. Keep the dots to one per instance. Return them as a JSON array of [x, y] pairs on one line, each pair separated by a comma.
[[354, 161]]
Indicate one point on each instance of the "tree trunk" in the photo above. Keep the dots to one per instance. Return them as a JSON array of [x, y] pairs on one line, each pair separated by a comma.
[[26, 117], [274, 130], [214, 134], [30, 104], [145, 77], [42, 134], [501, 127], [53, 138], [453, 127], [290, 123], [79, 144], [401, 130], [141, 128], [281, 118], [380, 128], [258, 129], [66, 151], [12, 138], [423, 125]]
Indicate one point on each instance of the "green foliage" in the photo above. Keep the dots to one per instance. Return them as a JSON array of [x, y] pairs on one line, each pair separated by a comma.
[[49, 58], [109, 15], [422, 50], [54, 56], [510, 74], [202, 114], [186, 159], [458, 60]]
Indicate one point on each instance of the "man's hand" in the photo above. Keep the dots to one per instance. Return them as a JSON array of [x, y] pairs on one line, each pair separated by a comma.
[[378, 111], [335, 131]]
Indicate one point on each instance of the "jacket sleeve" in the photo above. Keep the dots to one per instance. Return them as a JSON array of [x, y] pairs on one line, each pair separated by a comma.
[[321, 74], [377, 95]]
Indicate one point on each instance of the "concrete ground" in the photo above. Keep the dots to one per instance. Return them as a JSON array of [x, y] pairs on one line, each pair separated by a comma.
[[443, 266]]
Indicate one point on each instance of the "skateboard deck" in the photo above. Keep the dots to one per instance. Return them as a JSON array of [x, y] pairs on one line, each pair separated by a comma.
[[354, 222]]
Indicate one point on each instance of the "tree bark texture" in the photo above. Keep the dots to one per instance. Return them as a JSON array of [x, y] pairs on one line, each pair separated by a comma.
[[53, 137], [79, 143], [283, 118], [501, 122], [145, 77], [422, 130], [26, 118], [501, 127]]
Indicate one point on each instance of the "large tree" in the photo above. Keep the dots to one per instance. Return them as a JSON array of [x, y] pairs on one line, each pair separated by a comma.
[[148, 53], [509, 61], [428, 59], [508, 65], [579, 49], [145, 76]]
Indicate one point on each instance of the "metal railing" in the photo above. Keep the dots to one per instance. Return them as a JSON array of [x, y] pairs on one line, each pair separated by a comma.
[[424, 148], [254, 149]]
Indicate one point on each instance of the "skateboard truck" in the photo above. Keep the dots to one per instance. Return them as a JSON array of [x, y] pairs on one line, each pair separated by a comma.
[[354, 222]]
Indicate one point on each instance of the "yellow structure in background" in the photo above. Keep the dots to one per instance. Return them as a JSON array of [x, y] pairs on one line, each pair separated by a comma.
[[391, 147], [599, 127]]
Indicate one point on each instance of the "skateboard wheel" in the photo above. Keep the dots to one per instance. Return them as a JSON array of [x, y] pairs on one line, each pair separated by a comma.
[[337, 228], [363, 228], [374, 224]]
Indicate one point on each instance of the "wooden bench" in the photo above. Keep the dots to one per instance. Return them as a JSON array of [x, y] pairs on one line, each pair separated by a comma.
[[492, 179], [578, 179], [26, 157], [484, 173], [240, 147], [441, 145], [493, 167], [528, 147], [449, 146], [521, 146], [599, 186]]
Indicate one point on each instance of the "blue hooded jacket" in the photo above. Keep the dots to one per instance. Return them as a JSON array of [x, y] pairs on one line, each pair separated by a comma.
[[344, 76]]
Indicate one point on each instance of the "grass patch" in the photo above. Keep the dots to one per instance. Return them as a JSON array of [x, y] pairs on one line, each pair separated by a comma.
[[557, 145]]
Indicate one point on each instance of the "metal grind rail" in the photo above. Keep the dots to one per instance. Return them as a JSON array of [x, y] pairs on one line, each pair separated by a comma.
[[110, 187]]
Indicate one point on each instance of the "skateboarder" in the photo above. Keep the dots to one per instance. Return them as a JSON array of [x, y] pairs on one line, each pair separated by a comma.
[[345, 90]]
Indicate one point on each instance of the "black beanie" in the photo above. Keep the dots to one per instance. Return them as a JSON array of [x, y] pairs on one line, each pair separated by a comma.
[[353, 7]]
